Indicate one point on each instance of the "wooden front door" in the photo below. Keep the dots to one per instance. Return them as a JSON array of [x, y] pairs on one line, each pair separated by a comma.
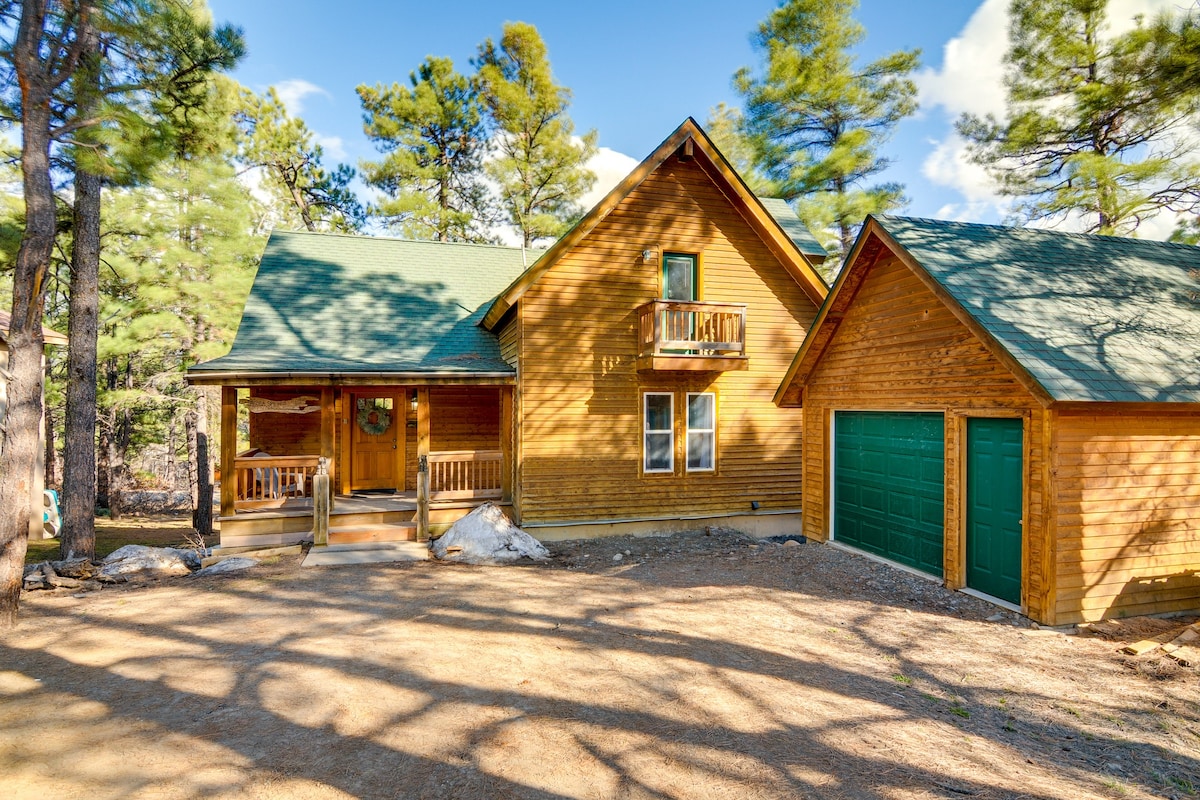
[[376, 441]]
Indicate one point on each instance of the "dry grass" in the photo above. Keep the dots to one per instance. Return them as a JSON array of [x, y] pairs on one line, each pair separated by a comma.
[[159, 531], [695, 667]]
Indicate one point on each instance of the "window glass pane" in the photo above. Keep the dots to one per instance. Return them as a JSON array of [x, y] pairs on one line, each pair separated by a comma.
[[658, 412], [700, 450], [700, 411], [658, 451]]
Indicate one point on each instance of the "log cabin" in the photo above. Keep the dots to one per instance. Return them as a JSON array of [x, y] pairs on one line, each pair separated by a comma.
[[621, 381], [1015, 412]]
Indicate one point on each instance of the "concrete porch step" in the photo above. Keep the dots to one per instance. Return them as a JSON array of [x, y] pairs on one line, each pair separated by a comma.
[[365, 553]]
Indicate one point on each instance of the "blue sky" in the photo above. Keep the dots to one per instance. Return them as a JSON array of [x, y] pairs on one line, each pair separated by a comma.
[[638, 69]]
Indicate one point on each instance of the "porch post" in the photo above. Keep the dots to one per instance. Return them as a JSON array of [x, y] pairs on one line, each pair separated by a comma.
[[422, 421], [328, 424], [506, 443], [229, 475], [423, 463]]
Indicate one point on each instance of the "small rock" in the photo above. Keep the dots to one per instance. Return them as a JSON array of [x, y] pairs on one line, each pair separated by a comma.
[[628, 552], [228, 565], [995, 618], [791, 543], [618, 557]]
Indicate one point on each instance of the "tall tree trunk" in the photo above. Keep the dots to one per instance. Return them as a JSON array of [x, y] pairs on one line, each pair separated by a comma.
[[118, 448], [50, 456], [102, 446], [79, 448], [23, 417], [199, 477], [78, 537]]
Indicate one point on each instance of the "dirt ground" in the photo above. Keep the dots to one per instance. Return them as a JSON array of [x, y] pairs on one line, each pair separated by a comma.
[[696, 666]]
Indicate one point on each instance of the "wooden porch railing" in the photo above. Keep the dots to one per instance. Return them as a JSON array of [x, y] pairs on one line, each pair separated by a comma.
[[466, 475], [692, 328], [269, 481]]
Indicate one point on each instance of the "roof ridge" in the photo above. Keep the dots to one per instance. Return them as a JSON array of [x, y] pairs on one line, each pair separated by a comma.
[[370, 237], [1099, 237]]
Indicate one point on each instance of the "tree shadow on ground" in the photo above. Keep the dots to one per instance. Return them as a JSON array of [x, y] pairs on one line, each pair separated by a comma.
[[616, 704]]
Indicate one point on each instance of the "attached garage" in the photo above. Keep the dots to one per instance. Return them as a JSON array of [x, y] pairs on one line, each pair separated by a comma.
[[1014, 411], [889, 471]]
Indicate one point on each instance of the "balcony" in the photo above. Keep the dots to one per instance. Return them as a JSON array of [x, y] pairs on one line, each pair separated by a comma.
[[679, 335]]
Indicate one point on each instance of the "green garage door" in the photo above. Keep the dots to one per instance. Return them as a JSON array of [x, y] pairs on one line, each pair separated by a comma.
[[888, 485]]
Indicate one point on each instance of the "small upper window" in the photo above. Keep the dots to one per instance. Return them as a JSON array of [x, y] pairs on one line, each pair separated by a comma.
[[658, 432], [701, 432]]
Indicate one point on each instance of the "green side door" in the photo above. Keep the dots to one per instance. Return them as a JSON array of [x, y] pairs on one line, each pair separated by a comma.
[[995, 467], [889, 485]]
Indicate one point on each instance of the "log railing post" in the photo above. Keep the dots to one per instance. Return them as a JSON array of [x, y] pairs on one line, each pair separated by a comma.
[[321, 505], [422, 498]]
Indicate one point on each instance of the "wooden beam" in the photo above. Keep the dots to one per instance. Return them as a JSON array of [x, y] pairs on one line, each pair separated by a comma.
[[422, 421], [506, 443], [229, 411], [341, 471], [328, 435]]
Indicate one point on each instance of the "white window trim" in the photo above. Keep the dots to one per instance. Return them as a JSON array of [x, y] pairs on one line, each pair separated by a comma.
[[689, 430], [670, 430]]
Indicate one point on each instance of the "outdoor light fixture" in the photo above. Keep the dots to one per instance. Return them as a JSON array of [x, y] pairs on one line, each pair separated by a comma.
[[754, 505], [647, 256], [414, 400]]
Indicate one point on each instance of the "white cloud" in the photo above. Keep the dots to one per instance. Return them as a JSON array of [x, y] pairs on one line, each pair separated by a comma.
[[334, 147], [611, 168], [292, 93], [972, 72]]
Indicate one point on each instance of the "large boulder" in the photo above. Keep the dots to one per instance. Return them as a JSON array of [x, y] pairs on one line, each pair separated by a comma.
[[486, 536], [156, 562]]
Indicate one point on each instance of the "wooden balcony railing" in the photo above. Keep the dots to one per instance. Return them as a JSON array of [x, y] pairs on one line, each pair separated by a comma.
[[466, 475], [673, 327], [269, 481]]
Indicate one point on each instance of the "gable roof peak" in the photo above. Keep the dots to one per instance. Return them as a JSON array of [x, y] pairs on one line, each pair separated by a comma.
[[778, 240]]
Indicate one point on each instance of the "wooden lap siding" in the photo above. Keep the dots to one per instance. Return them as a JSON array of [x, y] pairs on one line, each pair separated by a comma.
[[286, 434], [899, 348], [580, 393], [1128, 499]]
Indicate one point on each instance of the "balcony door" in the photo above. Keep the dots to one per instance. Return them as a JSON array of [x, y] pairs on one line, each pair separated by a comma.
[[679, 282], [679, 277]]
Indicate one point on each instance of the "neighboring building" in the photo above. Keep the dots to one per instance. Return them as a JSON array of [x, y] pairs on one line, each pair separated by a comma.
[[39, 477], [1014, 411], [621, 381]]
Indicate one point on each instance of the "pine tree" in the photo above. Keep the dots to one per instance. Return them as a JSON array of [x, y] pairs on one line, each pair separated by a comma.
[[539, 167], [817, 119], [433, 139], [182, 251], [1094, 131], [726, 127], [282, 145], [159, 51]]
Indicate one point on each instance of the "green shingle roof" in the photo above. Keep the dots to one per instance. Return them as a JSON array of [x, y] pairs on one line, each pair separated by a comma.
[[1092, 318], [332, 303], [796, 230]]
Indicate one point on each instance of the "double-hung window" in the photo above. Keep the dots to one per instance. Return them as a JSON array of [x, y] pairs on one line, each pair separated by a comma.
[[658, 432], [701, 431]]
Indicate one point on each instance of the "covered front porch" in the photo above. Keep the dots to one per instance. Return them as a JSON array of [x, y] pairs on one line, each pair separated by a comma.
[[373, 439]]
